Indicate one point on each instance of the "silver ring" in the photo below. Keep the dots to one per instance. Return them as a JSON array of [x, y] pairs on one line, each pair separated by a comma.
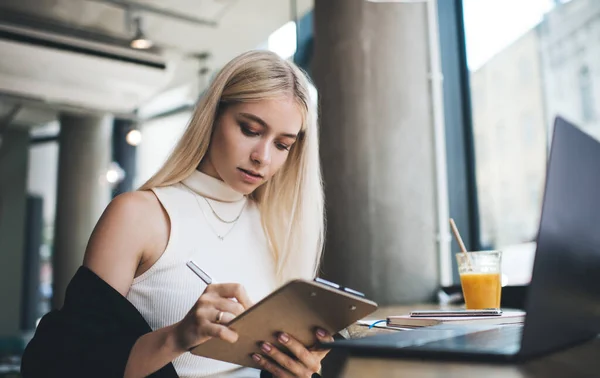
[[219, 317]]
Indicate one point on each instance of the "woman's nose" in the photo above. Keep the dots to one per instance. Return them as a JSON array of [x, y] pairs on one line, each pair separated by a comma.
[[261, 154]]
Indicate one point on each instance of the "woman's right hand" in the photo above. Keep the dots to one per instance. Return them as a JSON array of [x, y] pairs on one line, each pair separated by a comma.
[[205, 321]]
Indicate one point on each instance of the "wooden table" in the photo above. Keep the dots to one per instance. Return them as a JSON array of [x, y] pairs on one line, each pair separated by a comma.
[[581, 361]]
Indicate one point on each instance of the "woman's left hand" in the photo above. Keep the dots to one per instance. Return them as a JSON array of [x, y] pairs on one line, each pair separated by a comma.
[[306, 363]]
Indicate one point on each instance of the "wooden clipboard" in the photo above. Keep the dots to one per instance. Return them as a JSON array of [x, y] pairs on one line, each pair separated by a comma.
[[296, 308]]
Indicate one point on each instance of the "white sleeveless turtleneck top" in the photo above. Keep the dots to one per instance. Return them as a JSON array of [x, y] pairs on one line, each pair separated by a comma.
[[166, 292]]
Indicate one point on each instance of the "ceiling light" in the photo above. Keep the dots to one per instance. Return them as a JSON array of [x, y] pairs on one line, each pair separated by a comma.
[[114, 174], [134, 137], [139, 40]]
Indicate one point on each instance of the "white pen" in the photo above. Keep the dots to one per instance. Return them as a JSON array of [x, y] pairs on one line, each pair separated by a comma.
[[199, 272]]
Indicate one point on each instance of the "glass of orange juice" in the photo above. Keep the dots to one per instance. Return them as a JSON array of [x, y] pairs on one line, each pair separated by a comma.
[[480, 278]]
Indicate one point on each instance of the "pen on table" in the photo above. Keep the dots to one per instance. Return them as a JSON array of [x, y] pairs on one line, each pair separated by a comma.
[[199, 272]]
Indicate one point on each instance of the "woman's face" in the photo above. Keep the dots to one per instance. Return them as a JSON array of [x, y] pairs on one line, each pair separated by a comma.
[[251, 141]]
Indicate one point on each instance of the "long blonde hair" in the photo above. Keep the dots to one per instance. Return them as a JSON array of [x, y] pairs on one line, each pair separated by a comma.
[[291, 202]]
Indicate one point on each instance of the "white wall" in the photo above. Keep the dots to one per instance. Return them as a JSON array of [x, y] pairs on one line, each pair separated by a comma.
[[42, 176], [159, 137]]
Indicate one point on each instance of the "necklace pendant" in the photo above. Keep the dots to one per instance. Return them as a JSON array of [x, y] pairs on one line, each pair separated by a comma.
[[220, 237]]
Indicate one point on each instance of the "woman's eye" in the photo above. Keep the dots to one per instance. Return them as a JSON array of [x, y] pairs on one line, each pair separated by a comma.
[[247, 130], [282, 146]]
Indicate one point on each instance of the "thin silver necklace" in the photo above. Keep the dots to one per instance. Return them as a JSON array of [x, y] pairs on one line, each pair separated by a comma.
[[221, 237], [221, 219]]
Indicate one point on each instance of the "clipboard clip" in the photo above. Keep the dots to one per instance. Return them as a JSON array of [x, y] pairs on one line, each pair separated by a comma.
[[339, 287]]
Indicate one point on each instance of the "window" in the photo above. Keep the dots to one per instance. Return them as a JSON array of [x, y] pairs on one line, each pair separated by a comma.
[[529, 68], [529, 129], [588, 112]]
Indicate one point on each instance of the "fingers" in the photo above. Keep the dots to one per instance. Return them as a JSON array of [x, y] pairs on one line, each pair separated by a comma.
[[297, 367], [305, 362], [220, 303], [307, 359], [200, 325], [213, 310], [222, 317], [324, 337], [221, 332], [231, 290], [270, 366]]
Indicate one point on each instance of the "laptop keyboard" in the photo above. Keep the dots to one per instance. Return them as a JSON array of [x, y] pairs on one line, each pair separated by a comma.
[[501, 340]]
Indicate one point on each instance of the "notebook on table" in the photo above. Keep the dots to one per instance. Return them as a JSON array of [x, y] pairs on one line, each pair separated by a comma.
[[407, 321]]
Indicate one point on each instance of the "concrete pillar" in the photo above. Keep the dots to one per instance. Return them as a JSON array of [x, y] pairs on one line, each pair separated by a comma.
[[14, 154], [371, 67], [82, 192]]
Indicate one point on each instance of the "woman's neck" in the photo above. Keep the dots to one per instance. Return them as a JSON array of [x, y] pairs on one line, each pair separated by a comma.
[[207, 167]]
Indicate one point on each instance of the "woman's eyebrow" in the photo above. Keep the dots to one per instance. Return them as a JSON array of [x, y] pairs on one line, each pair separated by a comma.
[[260, 121]]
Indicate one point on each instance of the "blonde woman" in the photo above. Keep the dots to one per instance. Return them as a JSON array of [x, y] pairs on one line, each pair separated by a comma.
[[242, 196]]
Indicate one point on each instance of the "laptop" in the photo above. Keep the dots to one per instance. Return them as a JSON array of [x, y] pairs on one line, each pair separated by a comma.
[[563, 297]]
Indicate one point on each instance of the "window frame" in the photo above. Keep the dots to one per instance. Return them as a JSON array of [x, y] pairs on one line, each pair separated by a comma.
[[460, 147]]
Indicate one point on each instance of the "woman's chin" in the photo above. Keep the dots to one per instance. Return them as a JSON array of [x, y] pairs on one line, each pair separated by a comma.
[[243, 187]]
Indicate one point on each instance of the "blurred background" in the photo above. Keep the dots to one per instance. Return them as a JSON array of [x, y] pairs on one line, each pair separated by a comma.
[[428, 110]]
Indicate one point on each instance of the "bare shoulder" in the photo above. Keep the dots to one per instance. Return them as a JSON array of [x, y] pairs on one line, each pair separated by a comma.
[[138, 203], [133, 211], [132, 229]]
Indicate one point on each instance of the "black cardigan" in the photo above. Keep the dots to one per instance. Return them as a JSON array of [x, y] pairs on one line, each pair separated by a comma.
[[91, 336]]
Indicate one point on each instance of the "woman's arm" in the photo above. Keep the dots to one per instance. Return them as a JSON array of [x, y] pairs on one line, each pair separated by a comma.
[[129, 238], [156, 349], [151, 352]]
